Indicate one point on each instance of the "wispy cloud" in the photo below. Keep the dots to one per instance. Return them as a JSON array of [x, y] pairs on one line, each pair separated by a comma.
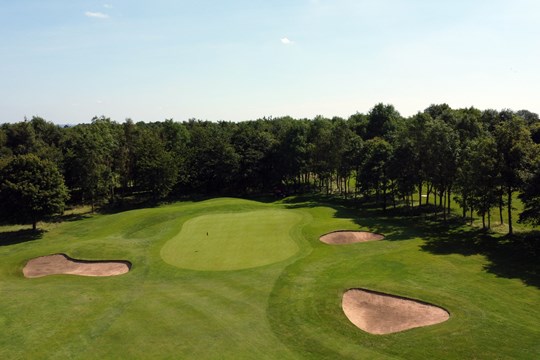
[[286, 41], [96, 15], [107, 6]]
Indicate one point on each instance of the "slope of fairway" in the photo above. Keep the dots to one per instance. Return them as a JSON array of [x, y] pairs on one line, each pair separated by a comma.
[[233, 241]]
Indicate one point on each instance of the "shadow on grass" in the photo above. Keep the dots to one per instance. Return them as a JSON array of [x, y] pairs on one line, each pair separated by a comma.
[[517, 258], [511, 257], [395, 224], [20, 236], [69, 217]]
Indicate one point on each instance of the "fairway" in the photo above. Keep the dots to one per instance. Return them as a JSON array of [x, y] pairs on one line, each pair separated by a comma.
[[233, 241], [260, 285]]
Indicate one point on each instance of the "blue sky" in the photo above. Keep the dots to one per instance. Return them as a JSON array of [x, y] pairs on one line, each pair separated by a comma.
[[70, 60]]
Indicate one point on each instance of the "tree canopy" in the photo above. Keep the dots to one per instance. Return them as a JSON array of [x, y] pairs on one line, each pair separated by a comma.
[[30, 189], [478, 158]]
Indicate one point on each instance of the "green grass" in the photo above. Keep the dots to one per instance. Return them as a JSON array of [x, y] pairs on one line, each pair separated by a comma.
[[273, 302], [233, 241], [496, 225]]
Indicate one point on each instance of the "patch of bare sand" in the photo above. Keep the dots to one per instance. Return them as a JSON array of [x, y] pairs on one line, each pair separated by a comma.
[[349, 237], [378, 313], [62, 264]]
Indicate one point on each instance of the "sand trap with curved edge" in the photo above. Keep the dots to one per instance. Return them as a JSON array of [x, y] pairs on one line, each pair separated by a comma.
[[378, 313], [62, 264], [349, 237]]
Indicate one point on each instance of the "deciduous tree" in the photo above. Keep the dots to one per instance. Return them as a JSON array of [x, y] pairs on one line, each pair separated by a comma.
[[515, 152], [31, 189]]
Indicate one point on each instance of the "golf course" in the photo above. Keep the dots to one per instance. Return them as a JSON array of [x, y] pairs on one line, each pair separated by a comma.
[[231, 278]]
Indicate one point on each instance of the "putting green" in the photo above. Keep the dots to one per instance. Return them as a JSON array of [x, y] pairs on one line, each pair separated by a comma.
[[233, 241]]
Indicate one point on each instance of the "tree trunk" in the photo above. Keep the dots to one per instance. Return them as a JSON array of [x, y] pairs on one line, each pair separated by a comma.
[[510, 231], [440, 204], [444, 206], [327, 187], [420, 194], [489, 218], [501, 208], [449, 193], [384, 198], [483, 220]]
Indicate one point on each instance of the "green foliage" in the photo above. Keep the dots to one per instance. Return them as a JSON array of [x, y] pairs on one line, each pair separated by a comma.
[[442, 151], [531, 199], [291, 151], [31, 189], [480, 174], [253, 145], [154, 167], [432, 150], [405, 167], [382, 121], [516, 152], [374, 174], [90, 152], [212, 161], [4, 150], [21, 138]]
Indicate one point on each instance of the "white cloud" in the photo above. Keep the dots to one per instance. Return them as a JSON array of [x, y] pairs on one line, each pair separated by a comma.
[[286, 41], [97, 15]]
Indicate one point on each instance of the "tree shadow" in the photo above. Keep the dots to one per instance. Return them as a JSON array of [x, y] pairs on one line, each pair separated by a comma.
[[20, 236], [517, 257], [366, 214], [511, 257], [128, 204], [68, 217]]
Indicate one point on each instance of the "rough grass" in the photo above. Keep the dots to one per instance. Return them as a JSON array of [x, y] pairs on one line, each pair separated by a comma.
[[288, 309]]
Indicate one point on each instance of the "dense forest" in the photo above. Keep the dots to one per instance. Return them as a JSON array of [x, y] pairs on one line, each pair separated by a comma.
[[479, 159]]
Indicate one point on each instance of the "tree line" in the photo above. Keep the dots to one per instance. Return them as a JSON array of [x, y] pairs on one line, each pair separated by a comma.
[[480, 159]]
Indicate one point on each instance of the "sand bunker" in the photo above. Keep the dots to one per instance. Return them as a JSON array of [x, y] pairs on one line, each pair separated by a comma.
[[348, 237], [63, 264], [378, 313]]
